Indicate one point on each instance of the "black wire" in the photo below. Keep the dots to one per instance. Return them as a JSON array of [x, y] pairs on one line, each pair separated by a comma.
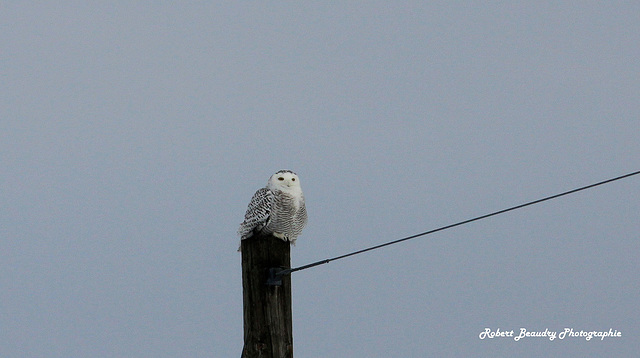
[[325, 261]]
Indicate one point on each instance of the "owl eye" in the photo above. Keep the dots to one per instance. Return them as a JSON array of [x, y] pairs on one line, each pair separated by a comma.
[[280, 178], [293, 179]]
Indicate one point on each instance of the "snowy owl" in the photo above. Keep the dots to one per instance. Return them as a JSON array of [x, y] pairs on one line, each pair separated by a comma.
[[278, 209]]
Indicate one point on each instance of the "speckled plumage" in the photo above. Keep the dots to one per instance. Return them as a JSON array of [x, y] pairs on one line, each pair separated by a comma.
[[277, 209]]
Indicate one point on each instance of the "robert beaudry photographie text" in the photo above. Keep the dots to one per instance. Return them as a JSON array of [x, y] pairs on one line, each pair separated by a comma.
[[551, 335]]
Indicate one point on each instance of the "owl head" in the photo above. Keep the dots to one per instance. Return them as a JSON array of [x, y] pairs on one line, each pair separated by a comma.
[[284, 180]]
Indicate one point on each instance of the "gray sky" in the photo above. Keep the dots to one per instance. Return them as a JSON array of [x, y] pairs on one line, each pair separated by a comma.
[[132, 137]]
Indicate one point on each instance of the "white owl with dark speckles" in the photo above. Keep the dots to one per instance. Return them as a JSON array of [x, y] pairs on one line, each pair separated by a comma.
[[278, 209]]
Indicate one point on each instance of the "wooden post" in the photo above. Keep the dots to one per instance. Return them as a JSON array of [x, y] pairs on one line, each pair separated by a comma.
[[268, 329]]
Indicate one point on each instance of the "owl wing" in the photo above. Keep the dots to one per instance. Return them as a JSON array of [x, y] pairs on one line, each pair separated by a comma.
[[258, 212]]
